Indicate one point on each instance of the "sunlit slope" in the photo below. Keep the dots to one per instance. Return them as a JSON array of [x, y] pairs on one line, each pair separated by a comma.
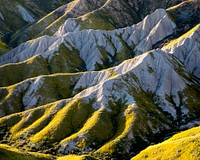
[[51, 22], [184, 145], [10, 153], [186, 49], [76, 157], [101, 14], [111, 113], [96, 94], [89, 49]]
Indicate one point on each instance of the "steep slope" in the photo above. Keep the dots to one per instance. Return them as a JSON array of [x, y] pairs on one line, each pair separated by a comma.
[[7, 152], [53, 20], [123, 13], [186, 49], [93, 49], [3, 48], [143, 97], [15, 14], [186, 14], [184, 145], [92, 14], [11, 153], [108, 107]]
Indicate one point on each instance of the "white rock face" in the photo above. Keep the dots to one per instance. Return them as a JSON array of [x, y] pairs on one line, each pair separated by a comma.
[[187, 50], [25, 15], [154, 73], [154, 28], [89, 79], [139, 37], [1, 16], [27, 50], [29, 100], [150, 72], [70, 25]]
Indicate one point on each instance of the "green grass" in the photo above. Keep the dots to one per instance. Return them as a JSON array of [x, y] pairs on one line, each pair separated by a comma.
[[66, 61], [76, 157], [36, 124], [193, 100], [3, 48], [33, 30], [95, 20], [14, 73], [10, 153], [57, 87], [14, 24], [178, 5], [96, 129], [184, 145], [124, 124], [65, 122], [3, 45]]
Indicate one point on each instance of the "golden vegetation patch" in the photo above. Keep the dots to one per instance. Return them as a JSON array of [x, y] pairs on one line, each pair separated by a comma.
[[184, 145], [10, 153]]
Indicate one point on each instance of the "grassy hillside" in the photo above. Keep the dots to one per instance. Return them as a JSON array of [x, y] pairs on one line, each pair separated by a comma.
[[104, 14], [184, 145], [182, 15], [76, 157], [10, 153], [48, 113], [17, 14], [109, 128], [3, 48]]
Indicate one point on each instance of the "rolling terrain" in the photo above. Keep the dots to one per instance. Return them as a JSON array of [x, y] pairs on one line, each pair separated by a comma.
[[102, 80]]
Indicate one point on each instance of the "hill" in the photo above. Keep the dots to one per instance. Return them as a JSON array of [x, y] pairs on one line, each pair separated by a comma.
[[95, 83]]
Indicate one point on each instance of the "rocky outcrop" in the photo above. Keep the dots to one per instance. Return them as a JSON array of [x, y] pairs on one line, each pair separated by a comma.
[[25, 15], [186, 49], [139, 38], [51, 22], [122, 94], [92, 15], [86, 80], [94, 49], [133, 95]]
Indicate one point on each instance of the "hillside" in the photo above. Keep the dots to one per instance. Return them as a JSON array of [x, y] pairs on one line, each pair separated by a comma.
[[105, 48], [175, 147], [17, 14], [103, 80], [101, 104], [92, 14], [184, 145]]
